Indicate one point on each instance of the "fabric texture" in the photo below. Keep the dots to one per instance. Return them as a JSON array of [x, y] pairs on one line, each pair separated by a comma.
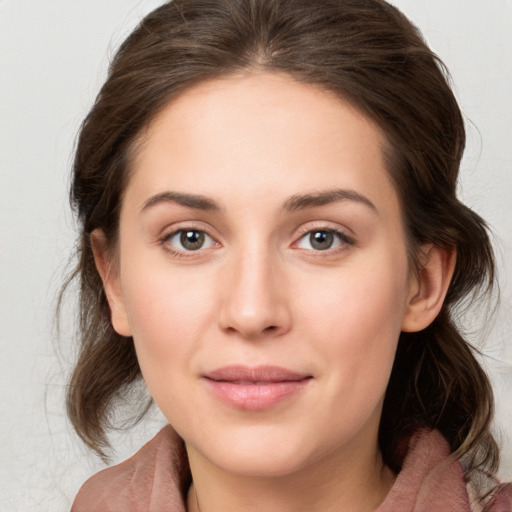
[[156, 478]]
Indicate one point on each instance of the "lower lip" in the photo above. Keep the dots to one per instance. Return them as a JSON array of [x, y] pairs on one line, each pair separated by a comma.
[[255, 397]]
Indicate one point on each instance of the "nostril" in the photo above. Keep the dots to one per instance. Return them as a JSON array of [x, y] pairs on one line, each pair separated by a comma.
[[270, 328]]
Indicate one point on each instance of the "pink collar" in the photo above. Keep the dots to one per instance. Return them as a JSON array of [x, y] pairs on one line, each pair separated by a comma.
[[155, 479]]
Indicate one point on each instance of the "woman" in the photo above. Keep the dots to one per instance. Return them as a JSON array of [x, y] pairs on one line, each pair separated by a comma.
[[271, 239]]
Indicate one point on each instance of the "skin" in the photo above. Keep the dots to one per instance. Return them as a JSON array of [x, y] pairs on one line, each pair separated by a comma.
[[257, 292]]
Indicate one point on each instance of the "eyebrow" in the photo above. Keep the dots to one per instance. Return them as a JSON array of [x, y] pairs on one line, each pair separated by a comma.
[[292, 204], [197, 202], [303, 201]]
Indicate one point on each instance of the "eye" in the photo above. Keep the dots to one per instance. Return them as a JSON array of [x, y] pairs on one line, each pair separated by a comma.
[[322, 240], [188, 240]]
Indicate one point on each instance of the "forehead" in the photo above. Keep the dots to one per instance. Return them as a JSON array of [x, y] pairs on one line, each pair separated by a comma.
[[254, 133]]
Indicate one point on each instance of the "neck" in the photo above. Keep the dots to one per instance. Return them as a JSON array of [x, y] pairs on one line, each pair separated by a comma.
[[339, 482]]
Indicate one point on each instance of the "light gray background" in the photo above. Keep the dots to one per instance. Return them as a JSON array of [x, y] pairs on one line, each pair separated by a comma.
[[53, 58]]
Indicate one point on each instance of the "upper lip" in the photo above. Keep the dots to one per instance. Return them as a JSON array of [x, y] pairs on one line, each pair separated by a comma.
[[256, 374]]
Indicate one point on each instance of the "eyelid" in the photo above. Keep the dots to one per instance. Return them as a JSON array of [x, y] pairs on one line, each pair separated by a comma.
[[174, 234], [310, 227], [324, 226], [182, 225], [337, 230], [175, 229]]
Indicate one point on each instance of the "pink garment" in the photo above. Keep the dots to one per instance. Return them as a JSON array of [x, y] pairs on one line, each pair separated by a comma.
[[156, 477]]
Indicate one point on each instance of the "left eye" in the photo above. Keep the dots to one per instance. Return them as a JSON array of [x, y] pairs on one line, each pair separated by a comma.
[[189, 240], [322, 240]]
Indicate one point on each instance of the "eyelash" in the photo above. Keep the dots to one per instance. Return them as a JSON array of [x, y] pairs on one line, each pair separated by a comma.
[[343, 239], [165, 241]]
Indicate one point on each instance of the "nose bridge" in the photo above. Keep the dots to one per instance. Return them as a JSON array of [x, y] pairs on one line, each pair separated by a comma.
[[254, 302]]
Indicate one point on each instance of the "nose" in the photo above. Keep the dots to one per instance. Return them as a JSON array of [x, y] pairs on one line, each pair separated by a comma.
[[254, 299]]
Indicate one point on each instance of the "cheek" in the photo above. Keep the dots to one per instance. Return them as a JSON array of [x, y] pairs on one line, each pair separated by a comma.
[[168, 313], [160, 295], [168, 325], [360, 298], [355, 325], [356, 315]]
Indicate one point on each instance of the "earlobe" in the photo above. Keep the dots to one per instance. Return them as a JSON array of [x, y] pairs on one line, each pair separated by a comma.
[[429, 288], [111, 283]]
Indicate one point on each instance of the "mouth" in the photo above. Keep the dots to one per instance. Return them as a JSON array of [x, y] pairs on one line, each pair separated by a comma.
[[255, 388]]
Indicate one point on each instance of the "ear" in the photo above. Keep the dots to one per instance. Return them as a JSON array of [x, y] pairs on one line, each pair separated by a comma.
[[109, 273], [429, 287]]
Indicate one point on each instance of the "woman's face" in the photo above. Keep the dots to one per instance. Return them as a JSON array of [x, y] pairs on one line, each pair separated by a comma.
[[263, 273]]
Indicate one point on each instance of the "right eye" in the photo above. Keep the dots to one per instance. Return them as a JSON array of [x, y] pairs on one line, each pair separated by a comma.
[[188, 240]]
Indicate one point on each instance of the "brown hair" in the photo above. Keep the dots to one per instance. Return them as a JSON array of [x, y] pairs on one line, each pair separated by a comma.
[[367, 52]]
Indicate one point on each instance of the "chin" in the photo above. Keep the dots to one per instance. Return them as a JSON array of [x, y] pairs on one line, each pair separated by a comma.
[[261, 452], [262, 463]]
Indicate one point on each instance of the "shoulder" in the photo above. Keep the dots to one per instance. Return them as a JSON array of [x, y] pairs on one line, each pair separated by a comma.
[[151, 480], [432, 480], [501, 501]]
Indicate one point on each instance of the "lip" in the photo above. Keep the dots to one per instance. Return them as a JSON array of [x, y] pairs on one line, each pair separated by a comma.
[[255, 388]]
